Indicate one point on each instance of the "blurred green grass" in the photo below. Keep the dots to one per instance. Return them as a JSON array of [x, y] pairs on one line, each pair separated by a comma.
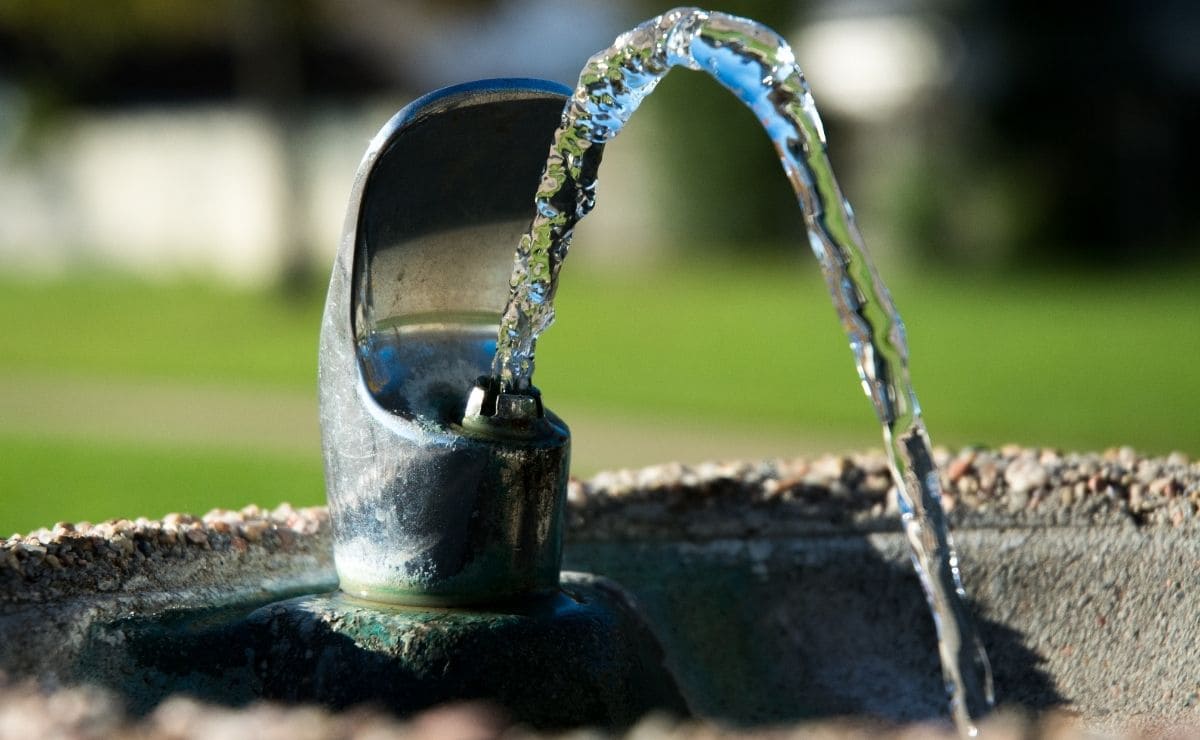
[[1071, 361], [51, 480], [1087, 360]]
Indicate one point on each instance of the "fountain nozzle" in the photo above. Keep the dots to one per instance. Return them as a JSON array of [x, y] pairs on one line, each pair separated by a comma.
[[431, 505], [493, 412], [445, 489]]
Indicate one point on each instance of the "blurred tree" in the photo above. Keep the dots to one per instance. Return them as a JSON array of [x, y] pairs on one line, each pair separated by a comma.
[[270, 73], [1106, 104], [119, 52], [1070, 136], [1068, 128], [724, 177], [73, 47]]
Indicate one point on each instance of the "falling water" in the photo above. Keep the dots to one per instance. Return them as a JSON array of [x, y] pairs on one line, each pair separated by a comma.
[[757, 66]]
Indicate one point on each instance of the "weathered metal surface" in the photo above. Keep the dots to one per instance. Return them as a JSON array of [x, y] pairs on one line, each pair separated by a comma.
[[581, 657]]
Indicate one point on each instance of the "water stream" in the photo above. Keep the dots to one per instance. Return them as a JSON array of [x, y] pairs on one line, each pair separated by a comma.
[[757, 66]]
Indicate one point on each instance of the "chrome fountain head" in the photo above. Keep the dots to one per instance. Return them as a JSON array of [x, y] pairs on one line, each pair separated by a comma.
[[442, 491], [446, 490]]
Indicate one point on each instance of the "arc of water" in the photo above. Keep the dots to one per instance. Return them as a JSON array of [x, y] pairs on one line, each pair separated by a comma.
[[757, 66]]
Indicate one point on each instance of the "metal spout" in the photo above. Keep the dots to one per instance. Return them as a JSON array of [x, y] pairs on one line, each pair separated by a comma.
[[431, 507]]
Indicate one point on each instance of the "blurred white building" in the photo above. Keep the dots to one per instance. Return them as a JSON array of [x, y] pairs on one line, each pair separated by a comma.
[[173, 191], [202, 192]]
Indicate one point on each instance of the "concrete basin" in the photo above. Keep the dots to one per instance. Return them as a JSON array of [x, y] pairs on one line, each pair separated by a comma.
[[780, 590]]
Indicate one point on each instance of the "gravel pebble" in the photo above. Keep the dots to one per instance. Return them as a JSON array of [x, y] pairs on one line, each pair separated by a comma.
[[960, 465], [84, 558], [983, 487], [91, 713], [1025, 474]]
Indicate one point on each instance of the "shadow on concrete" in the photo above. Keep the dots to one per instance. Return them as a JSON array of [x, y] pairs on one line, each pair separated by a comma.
[[768, 632], [580, 657], [756, 633]]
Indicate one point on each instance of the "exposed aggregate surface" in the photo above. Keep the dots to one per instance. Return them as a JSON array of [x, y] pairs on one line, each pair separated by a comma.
[[1010, 487], [177, 552], [91, 714]]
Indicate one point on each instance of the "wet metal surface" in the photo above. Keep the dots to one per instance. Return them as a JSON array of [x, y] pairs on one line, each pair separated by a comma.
[[423, 511]]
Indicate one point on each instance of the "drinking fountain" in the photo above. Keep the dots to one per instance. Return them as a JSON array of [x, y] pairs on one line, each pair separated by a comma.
[[783, 590], [446, 495]]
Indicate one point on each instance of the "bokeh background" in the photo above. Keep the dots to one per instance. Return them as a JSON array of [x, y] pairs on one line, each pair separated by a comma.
[[174, 174]]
